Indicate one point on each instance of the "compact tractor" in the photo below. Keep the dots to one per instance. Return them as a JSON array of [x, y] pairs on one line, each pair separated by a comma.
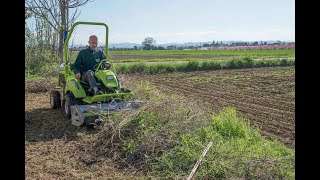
[[77, 102]]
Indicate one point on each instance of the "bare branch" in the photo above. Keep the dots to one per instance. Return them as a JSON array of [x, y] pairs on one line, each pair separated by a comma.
[[78, 3], [74, 17], [42, 11], [49, 10], [53, 12]]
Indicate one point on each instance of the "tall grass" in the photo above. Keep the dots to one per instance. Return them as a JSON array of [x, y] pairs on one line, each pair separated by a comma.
[[192, 65], [42, 62], [238, 151], [167, 135]]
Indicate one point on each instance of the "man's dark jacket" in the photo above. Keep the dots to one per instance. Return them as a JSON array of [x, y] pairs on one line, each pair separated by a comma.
[[86, 60]]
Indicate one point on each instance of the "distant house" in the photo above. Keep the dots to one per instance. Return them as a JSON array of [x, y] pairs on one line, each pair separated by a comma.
[[203, 48]]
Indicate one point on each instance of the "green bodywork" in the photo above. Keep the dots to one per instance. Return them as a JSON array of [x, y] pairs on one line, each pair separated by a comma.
[[108, 77]]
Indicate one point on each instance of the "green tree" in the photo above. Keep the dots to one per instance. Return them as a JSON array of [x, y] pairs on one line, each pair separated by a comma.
[[161, 48], [255, 43], [148, 43], [206, 45]]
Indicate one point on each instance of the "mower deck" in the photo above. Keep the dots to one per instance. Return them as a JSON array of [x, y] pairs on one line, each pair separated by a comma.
[[103, 97], [82, 113]]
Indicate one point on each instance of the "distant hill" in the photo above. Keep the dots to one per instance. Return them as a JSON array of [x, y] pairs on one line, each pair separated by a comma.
[[131, 45], [123, 45]]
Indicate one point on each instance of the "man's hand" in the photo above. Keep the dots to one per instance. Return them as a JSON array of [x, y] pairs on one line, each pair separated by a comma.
[[77, 76]]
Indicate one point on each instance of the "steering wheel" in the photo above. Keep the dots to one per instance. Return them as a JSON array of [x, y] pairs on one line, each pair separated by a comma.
[[104, 66]]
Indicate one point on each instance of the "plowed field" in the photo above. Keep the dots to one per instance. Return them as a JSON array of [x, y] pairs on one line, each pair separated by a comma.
[[266, 96]]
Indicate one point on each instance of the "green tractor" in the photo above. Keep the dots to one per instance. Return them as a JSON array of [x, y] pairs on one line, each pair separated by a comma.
[[78, 103]]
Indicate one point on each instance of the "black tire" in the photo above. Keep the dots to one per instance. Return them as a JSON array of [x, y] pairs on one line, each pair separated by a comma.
[[90, 126], [55, 101], [127, 91], [67, 101]]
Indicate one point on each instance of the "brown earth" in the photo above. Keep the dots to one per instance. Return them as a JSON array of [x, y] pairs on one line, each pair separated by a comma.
[[55, 149], [263, 95]]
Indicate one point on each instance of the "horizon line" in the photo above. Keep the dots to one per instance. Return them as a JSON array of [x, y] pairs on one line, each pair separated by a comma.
[[200, 41]]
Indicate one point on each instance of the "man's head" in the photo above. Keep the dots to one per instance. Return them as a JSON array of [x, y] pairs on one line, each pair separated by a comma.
[[93, 42]]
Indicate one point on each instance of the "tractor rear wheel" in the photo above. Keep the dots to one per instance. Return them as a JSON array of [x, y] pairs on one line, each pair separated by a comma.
[[67, 101], [55, 101]]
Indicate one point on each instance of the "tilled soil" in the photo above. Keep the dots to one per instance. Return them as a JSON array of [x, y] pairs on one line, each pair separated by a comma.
[[55, 149], [265, 96]]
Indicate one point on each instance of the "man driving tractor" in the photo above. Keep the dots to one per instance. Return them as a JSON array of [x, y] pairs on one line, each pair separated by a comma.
[[106, 95], [85, 62]]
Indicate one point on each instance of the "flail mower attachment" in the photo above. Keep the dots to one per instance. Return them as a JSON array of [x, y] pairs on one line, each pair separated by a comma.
[[92, 114]]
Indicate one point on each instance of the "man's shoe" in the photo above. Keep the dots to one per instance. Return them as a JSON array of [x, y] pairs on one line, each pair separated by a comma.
[[91, 92], [99, 93]]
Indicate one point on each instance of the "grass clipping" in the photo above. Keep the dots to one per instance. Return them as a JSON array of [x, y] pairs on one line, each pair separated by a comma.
[[135, 137], [166, 136]]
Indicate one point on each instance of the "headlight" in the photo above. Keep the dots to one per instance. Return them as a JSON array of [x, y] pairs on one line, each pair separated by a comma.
[[109, 77]]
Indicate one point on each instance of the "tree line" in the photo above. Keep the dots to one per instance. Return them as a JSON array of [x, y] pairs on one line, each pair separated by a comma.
[[149, 43]]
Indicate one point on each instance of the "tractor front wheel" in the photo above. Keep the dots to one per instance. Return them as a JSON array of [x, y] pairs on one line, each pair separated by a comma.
[[67, 101], [55, 101]]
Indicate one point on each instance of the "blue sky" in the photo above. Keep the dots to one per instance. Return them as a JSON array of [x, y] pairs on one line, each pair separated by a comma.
[[180, 21]]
